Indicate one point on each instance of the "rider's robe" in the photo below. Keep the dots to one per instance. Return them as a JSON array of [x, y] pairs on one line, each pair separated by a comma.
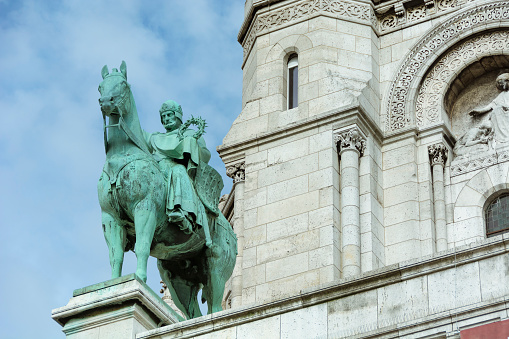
[[179, 159]]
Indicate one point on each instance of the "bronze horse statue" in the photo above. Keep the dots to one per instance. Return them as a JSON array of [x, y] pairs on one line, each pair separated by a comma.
[[132, 195]]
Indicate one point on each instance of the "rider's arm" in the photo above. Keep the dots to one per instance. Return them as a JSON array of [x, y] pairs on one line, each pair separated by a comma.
[[147, 137]]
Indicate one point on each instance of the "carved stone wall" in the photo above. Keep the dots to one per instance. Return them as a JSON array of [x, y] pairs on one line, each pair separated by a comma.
[[404, 87], [430, 104], [400, 16], [265, 22]]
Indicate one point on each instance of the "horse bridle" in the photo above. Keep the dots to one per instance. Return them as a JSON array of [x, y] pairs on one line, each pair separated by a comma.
[[122, 126]]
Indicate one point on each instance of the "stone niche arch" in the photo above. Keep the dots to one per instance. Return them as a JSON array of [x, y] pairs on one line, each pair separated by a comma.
[[296, 43], [468, 219], [467, 69], [472, 22]]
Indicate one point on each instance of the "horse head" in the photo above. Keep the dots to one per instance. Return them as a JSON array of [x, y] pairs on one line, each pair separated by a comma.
[[114, 90]]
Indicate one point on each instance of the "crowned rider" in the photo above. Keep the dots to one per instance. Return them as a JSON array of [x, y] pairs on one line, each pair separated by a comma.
[[179, 158]]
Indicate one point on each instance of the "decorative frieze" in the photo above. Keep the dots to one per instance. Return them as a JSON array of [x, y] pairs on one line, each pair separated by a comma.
[[350, 139], [393, 19], [423, 54], [437, 154], [303, 9], [236, 172], [469, 165]]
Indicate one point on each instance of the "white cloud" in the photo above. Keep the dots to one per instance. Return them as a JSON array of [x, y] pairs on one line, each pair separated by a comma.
[[51, 151]]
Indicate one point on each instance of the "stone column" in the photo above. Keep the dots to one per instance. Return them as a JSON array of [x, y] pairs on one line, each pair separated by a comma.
[[351, 145], [438, 157], [237, 173]]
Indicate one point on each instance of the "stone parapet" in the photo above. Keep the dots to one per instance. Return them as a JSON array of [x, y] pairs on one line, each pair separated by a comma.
[[436, 295], [117, 308]]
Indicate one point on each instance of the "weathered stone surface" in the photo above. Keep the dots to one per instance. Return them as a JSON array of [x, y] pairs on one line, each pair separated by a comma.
[[117, 308]]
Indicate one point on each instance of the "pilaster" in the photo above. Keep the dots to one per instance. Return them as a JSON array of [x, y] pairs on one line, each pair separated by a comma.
[[238, 175], [438, 157], [351, 143]]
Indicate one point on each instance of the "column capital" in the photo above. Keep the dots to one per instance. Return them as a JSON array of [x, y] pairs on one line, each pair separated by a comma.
[[437, 154], [237, 171], [350, 138]]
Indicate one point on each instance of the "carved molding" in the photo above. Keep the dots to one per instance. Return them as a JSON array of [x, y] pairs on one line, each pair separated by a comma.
[[437, 154], [426, 50], [237, 172], [274, 18], [393, 20], [351, 138], [475, 164], [430, 103]]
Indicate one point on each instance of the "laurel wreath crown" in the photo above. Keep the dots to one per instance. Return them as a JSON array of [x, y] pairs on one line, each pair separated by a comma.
[[198, 122]]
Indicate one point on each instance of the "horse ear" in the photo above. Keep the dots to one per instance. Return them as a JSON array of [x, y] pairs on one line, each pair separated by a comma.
[[104, 71], [123, 69]]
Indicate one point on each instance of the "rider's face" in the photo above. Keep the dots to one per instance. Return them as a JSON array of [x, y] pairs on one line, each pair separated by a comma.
[[170, 121]]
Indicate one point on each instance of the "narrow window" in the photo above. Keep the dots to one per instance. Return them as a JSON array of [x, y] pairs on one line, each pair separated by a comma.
[[293, 81], [497, 216]]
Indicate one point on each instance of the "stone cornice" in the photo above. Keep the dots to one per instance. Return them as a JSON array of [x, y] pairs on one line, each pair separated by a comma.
[[384, 17], [373, 280], [337, 118], [266, 20]]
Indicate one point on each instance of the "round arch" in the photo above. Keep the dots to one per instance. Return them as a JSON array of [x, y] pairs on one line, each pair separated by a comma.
[[402, 96], [468, 214]]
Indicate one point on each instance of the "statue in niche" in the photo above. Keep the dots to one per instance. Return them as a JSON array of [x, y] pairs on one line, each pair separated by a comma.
[[494, 128], [159, 197]]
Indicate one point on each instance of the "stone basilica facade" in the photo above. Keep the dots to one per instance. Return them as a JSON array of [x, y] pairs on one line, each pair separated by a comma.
[[371, 170]]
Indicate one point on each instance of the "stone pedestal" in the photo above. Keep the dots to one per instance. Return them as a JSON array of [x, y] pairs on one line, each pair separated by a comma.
[[117, 308]]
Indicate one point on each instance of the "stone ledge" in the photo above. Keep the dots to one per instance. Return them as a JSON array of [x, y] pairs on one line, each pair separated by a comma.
[[393, 274], [126, 289], [336, 118]]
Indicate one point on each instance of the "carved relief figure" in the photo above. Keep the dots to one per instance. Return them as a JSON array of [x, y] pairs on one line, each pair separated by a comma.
[[494, 129]]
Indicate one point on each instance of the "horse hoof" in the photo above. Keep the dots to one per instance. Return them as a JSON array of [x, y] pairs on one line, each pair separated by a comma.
[[142, 276]]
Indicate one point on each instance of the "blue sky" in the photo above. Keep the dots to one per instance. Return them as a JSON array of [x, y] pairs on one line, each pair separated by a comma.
[[51, 149]]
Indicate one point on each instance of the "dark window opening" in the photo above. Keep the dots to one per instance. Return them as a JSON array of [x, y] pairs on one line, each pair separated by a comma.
[[497, 215], [293, 82]]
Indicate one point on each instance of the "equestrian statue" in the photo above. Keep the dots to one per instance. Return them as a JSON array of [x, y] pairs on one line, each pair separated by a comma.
[[159, 197]]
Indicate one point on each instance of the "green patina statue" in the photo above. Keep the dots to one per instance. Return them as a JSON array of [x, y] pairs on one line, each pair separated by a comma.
[[159, 197]]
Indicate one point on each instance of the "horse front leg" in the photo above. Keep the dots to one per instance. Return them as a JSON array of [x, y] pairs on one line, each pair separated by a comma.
[[115, 236], [144, 225]]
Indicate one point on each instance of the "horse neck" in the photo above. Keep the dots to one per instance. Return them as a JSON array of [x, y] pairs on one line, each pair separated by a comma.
[[118, 142]]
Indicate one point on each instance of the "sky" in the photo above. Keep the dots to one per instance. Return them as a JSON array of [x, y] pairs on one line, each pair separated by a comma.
[[51, 142]]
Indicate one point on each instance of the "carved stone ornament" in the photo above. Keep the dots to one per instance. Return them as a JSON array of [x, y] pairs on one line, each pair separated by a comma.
[[301, 10], [430, 103], [424, 53], [418, 11], [237, 172], [437, 154], [350, 139]]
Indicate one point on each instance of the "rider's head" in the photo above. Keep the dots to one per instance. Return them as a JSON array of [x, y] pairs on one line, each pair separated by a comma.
[[171, 115]]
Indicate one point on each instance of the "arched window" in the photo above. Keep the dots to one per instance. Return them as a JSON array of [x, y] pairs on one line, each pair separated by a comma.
[[293, 81], [497, 215]]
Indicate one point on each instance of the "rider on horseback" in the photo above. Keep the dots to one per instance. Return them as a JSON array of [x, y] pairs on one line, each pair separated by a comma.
[[179, 159]]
